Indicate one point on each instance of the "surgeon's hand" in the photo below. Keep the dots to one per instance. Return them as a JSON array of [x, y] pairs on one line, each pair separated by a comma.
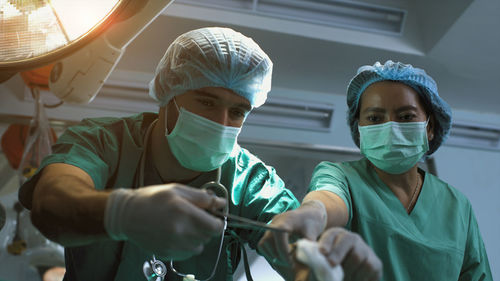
[[307, 221], [168, 220], [358, 260]]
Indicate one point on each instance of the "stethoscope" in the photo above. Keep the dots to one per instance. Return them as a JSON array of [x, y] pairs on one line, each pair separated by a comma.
[[155, 269]]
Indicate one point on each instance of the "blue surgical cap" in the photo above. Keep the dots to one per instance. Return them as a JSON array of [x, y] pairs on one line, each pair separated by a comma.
[[213, 57], [414, 77]]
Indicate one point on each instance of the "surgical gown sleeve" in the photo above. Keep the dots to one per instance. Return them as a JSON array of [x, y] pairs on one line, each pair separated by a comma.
[[95, 146], [475, 265], [331, 177], [257, 192]]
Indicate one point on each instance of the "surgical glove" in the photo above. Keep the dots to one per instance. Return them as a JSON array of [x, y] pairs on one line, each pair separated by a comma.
[[358, 260], [308, 253], [168, 220], [307, 221]]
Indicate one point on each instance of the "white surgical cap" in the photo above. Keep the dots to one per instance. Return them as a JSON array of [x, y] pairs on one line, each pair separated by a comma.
[[213, 57]]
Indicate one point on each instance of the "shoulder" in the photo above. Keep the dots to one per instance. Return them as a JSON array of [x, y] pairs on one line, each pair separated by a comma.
[[245, 171], [340, 168], [133, 122], [110, 128], [451, 203], [244, 160], [446, 190]]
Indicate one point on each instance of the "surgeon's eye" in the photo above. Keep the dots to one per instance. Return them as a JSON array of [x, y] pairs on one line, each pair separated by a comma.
[[407, 117], [374, 119], [238, 113], [206, 102]]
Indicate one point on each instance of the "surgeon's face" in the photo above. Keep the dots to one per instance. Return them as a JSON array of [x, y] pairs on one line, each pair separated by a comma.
[[392, 101], [218, 104]]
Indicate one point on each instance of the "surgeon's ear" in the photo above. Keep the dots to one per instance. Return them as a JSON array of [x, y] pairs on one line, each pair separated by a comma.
[[430, 128]]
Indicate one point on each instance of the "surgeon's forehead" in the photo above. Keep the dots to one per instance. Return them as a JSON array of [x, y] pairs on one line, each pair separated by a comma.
[[389, 94], [224, 94]]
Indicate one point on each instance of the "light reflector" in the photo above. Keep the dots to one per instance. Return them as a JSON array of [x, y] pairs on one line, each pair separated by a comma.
[[32, 28]]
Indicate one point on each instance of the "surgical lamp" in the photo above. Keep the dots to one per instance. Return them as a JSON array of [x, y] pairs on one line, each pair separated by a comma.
[[83, 39]]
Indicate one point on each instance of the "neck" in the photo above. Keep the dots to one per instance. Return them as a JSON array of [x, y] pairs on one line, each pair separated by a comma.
[[405, 186], [169, 169], [405, 181]]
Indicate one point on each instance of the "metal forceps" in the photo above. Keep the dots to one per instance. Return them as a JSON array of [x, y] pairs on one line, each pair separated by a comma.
[[234, 221]]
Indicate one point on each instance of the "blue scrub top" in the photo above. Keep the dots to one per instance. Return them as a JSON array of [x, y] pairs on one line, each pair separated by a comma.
[[439, 240], [109, 150]]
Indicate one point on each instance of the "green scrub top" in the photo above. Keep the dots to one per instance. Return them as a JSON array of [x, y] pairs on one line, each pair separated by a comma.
[[439, 240], [109, 150]]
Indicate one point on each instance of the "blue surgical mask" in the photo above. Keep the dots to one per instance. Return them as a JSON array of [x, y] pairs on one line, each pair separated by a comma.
[[200, 144], [394, 147]]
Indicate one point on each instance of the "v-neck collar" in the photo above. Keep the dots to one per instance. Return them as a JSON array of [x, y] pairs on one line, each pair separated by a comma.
[[423, 203]]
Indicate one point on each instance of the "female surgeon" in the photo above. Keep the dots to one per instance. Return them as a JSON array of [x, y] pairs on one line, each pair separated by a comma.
[[386, 218]]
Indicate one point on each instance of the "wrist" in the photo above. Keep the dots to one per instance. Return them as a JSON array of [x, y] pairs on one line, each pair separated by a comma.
[[114, 219], [319, 210]]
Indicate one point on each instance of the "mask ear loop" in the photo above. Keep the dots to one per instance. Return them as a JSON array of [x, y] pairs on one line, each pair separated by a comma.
[[166, 116], [426, 125]]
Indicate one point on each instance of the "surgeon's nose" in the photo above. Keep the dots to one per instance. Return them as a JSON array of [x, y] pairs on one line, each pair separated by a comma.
[[222, 117]]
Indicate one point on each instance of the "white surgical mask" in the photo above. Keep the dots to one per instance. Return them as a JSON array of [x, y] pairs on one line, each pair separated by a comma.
[[394, 147], [200, 144]]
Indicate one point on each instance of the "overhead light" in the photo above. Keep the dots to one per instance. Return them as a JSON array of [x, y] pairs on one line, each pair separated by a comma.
[[83, 38], [34, 32], [336, 13]]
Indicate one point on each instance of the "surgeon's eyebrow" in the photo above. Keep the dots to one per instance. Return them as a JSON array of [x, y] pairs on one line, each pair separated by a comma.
[[206, 94], [374, 109], [407, 108], [244, 106]]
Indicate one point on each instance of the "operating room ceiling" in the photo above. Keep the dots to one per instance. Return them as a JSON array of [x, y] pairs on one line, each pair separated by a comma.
[[456, 41]]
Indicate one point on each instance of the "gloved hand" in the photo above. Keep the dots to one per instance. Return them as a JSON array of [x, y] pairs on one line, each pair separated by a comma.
[[308, 253], [168, 220], [358, 260], [307, 221]]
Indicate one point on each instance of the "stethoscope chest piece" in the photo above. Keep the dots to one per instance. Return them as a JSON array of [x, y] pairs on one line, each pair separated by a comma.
[[154, 270]]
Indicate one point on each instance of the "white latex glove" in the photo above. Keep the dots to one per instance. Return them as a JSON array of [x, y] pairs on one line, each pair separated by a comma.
[[309, 254], [307, 221], [358, 260], [168, 220]]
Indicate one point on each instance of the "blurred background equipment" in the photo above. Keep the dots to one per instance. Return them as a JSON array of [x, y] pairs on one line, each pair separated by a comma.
[[67, 48], [38, 143], [18, 245], [2, 216]]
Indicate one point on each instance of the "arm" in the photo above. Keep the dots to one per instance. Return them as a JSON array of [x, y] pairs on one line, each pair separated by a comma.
[[319, 210], [324, 212], [69, 211], [66, 207], [336, 210]]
